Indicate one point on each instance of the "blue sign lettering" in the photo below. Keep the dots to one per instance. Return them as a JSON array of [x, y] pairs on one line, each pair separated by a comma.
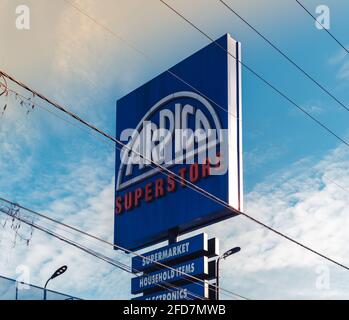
[[194, 291], [197, 267], [186, 248]]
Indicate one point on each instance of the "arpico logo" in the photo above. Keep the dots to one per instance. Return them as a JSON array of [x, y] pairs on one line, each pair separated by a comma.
[[181, 128]]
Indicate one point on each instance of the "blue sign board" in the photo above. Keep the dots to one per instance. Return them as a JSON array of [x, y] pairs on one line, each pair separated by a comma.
[[197, 267], [193, 291], [204, 94], [182, 249]]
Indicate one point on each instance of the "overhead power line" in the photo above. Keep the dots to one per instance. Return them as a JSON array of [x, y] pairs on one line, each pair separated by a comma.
[[321, 86], [269, 84], [108, 142], [130, 45], [165, 285], [212, 287], [73, 124], [62, 238], [326, 29], [160, 265], [94, 20], [163, 170], [190, 185], [330, 131], [194, 187]]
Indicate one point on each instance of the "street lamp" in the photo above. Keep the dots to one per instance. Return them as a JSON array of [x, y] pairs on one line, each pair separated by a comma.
[[57, 273], [223, 256]]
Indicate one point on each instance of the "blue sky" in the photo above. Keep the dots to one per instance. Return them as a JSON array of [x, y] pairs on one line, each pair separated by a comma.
[[51, 166]]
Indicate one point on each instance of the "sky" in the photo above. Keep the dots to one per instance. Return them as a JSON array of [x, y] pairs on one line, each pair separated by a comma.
[[295, 173]]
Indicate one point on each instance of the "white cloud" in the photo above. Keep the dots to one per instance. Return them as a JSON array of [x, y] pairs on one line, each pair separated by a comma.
[[343, 73], [78, 191], [299, 201], [305, 205], [340, 60], [17, 136], [260, 156], [314, 108], [86, 275]]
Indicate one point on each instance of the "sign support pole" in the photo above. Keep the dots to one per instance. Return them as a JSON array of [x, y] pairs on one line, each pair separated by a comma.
[[217, 277], [172, 236]]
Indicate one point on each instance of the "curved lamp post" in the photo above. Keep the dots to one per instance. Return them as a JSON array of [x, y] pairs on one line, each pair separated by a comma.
[[56, 274], [223, 256]]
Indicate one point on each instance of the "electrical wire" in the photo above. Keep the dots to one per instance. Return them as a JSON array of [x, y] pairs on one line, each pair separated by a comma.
[[106, 142], [3, 85], [269, 84], [114, 146], [194, 187], [321, 86], [326, 29], [134, 271], [226, 205], [127, 43], [165, 285], [71, 123], [192, 279], [165, 171], [336, 183], [85, 130]]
